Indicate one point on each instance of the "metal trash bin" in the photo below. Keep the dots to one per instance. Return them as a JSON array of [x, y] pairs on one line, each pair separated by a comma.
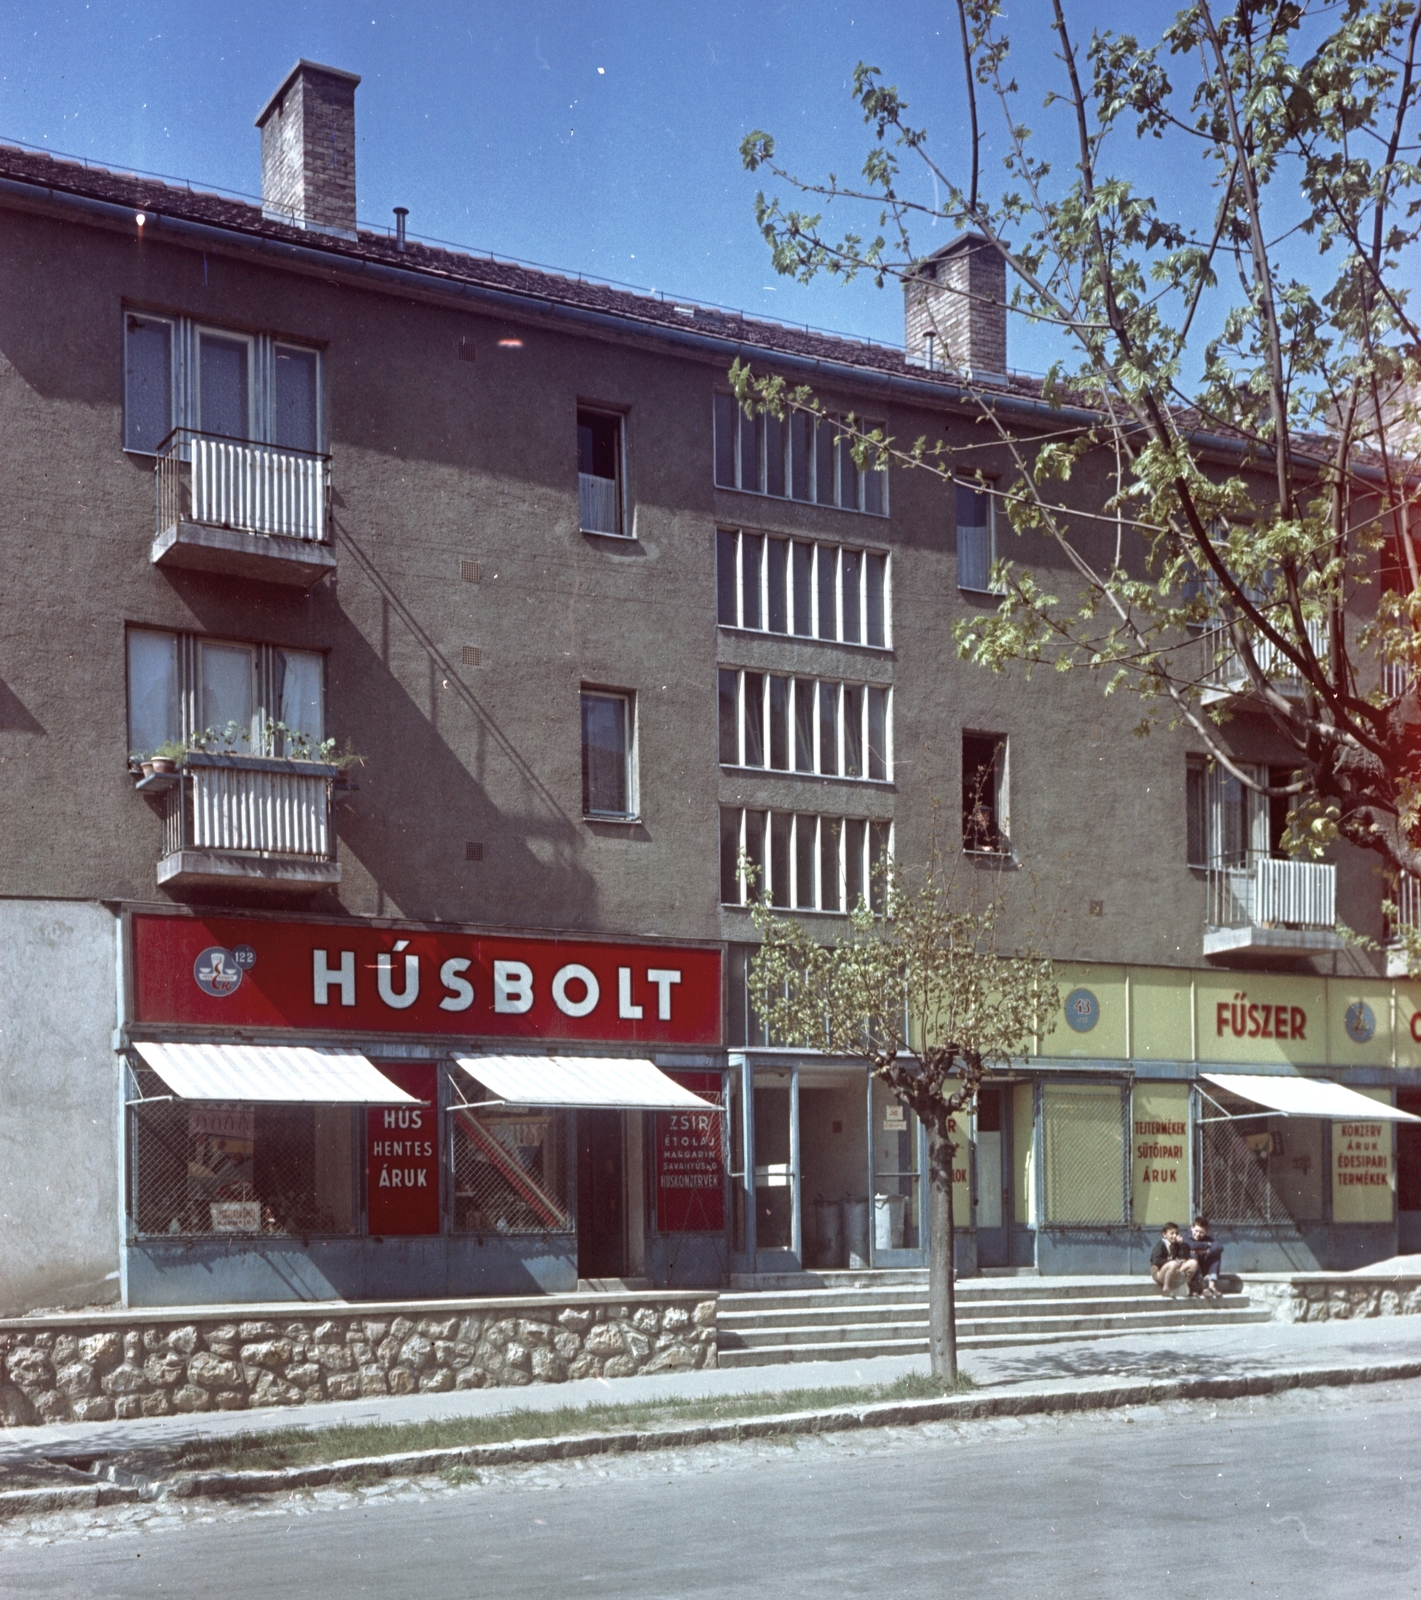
[[889, 1211], [856, 1233], [828, 1233]]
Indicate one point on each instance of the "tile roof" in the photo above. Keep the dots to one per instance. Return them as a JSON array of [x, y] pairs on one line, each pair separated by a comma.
[[542, 285], [243, 217]]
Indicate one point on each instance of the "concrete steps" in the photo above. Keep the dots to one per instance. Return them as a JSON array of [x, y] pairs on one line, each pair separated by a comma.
[[822, 1317]]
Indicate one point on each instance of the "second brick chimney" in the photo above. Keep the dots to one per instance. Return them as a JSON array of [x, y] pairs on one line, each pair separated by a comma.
[[308, 150], [954, 309]]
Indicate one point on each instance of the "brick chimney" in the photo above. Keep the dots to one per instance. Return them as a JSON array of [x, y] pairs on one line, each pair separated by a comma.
[[954, 309], [308, 150]]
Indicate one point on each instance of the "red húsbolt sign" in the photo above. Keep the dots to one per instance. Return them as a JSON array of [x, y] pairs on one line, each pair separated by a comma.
[[349, 977]]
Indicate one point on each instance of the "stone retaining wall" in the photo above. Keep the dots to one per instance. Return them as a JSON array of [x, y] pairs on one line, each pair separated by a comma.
[[136, 1364], [1331, 1297]]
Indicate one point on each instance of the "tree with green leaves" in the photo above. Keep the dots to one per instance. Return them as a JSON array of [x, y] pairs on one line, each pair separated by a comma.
[[924, 996], [1245, 381]]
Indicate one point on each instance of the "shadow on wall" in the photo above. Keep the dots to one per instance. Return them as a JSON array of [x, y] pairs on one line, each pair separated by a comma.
[[15, 716], [416, 803]]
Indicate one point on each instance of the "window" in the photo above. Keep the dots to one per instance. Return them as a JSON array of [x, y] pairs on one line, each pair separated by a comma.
[[255, 387], [1228, 823], [798, 457], [810, 725], [1196, 811], [511, 1169], [805, 862], [984, 793], [599, 472], [201, 1168], [608, 770], [804, 589], [248, 698], [976, 540]]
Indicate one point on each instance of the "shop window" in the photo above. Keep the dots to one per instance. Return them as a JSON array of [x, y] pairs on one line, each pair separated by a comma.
[[608, 766], [798, 457], [1262, 1170], [985, 821], [804, 725], [250, 699], [803, 861], [1083, 1135], [802, 588], [199, 1168], [599, 472], [510, 1170], [250, 387], [976, 540]]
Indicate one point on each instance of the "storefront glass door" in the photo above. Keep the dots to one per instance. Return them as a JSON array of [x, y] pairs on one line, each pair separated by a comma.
[[776, 1222], [895, 1203], [991, 1204]]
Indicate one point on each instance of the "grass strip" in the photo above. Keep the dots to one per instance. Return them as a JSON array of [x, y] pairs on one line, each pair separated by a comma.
[[298, 1447]]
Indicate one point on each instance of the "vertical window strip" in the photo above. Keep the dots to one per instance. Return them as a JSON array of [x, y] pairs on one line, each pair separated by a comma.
[[799, 457], [804, 861], [815, 726], [824, 591]]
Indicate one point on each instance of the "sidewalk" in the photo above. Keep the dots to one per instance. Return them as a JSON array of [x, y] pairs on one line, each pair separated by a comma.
[[1081, 1366]]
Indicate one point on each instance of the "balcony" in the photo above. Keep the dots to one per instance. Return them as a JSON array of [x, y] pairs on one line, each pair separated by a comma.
[[1406, 897], [1259, 903], [248, 821], [246, 510], [1224, 677]]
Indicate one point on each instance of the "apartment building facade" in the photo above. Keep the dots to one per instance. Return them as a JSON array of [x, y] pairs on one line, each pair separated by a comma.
[[400, 648]]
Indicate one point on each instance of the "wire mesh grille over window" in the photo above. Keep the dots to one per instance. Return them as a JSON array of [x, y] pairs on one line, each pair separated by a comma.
[[204, 1168], [1237, 1166], [510, 1171], [1084, 1154]]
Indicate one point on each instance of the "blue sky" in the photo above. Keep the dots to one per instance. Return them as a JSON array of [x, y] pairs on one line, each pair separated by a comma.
[[602, 138]]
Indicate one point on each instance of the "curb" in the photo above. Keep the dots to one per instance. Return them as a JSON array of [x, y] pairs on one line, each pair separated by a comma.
[[568, 1447]]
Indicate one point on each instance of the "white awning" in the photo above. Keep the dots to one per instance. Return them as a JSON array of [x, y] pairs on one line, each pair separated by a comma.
[[264, 1074], [1307, 1097], [581, 1081]]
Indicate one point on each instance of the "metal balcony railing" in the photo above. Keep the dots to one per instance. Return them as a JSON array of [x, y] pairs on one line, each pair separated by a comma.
[[1223, 671], [235, 483], [1406, 897], [253, 805], [1259, 891], [598, 507]]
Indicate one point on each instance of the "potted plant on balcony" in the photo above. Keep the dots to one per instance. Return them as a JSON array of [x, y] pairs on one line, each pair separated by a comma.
[[166, 758]]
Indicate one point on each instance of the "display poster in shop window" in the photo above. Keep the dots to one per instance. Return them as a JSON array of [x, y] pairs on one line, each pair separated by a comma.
[[690, 1164]]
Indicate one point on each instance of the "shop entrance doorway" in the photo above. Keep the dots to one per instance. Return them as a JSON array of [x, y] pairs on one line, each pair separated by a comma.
[[992, 1207], [601, 1206], [1408, 1174], [832, 1138]]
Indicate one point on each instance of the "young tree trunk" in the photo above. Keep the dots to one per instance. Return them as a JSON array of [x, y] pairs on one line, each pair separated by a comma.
[[942, 1310]]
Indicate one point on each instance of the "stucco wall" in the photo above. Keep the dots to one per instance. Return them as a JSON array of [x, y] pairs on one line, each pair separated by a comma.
[[59, 1227]]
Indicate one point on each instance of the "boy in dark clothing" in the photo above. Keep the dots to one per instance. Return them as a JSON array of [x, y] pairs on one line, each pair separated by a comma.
[[1172, 1264], [1208, 1255]]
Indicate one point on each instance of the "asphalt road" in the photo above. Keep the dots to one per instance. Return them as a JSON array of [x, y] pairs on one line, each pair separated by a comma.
[[1311, 1494]]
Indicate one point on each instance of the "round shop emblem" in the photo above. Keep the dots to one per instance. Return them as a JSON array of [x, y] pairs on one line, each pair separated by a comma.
[[1360, 1022], [218, 972], [1082, 1010]]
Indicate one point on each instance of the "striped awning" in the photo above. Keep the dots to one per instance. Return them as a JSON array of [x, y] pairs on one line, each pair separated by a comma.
[[581, 1082], [271, 1074]]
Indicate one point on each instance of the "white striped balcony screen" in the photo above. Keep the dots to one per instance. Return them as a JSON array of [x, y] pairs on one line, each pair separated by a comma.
[[1270, 893], [275, 813], [597, 504], [1301, 892], [258, 489]]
